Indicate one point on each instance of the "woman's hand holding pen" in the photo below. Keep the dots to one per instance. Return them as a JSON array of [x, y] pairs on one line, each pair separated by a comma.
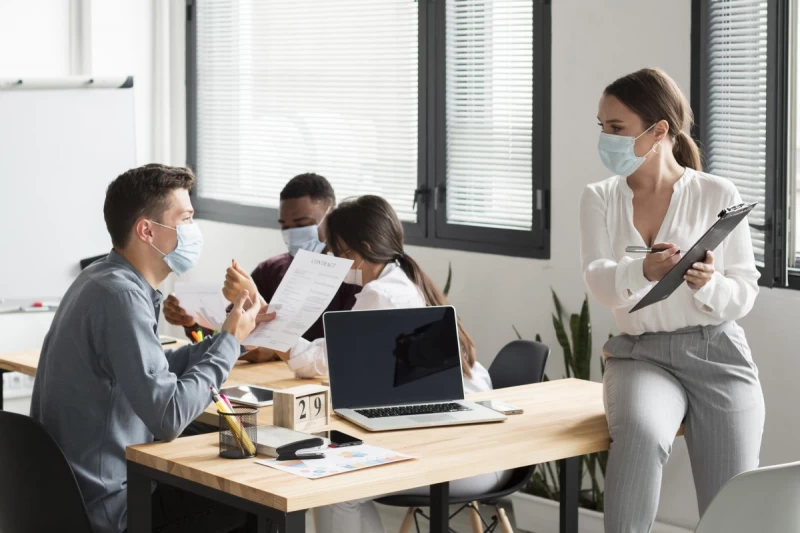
[[700, 273], [236, 281], [657, 264]]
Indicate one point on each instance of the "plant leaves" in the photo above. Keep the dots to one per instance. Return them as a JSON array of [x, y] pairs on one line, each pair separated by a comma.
[[538, 338], [446, 290], [519, 337], [557, 303], [583, 343], [561, 335]]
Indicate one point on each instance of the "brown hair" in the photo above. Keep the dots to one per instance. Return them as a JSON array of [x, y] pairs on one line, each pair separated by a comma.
[[654, 96], [141, 192], [369, 226]]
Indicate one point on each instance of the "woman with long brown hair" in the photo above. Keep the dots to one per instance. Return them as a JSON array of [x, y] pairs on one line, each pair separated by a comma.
[[683, 359], [367, 230]]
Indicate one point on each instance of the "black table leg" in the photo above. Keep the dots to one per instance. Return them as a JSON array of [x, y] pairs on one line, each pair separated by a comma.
[[440, 508], [260, 518], [258, 524], [140, 502], [570, 483], [291, 523], [1, 387]]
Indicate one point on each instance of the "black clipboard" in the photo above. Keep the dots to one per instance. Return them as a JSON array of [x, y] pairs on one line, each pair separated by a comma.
[[728, 219]]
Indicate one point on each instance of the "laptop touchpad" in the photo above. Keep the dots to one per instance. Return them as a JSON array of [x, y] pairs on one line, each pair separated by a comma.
[[431, 418]]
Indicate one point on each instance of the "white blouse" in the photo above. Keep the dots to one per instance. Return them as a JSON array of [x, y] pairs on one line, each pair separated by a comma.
[[392, 290], [616, 279]]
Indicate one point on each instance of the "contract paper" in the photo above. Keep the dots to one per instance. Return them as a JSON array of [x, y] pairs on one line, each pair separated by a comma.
[[303, 295]]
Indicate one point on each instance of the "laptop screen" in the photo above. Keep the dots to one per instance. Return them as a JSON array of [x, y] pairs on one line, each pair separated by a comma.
[[393, 357]]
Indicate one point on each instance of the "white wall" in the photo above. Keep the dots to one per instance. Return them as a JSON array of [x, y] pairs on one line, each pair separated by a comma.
[[35, 41], [34, 38]]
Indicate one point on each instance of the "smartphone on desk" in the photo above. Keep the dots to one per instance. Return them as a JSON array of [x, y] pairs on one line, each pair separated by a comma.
[[339, 439], [501, 407]]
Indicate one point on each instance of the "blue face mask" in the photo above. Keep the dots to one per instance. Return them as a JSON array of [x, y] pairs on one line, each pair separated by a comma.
[[186, 255], [305, 238], [616, 153]]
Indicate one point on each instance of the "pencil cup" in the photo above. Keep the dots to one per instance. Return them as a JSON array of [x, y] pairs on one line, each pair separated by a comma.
[[237, 433]]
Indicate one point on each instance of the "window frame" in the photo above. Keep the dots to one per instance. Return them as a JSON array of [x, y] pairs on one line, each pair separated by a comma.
[[775, 272], [431, 228]]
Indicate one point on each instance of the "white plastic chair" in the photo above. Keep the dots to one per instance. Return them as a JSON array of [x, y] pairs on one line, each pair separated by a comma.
[[766, 500]]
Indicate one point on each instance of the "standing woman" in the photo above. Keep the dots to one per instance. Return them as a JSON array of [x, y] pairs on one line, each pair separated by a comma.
[[683, 359]]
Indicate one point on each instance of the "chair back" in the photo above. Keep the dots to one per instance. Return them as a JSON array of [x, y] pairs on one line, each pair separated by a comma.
[[519, 363], [38, 490], [764, 500]]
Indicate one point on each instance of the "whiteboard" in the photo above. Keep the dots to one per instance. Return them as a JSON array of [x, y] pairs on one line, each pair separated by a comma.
[[59, 150]]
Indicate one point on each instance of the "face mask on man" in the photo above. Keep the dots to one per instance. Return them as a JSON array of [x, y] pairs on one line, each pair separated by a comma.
[[305, 238], [616, 153], [190, 244]]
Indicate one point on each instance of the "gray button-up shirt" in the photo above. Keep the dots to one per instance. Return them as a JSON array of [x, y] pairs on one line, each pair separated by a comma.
[[104, 381]]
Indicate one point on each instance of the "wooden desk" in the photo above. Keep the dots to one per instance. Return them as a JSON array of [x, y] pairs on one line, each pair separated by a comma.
[[563, 420]]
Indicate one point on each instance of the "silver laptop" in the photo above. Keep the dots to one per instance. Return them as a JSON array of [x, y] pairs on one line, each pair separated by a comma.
[[399, 368]]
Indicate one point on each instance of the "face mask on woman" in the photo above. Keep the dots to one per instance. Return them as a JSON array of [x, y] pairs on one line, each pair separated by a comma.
[[616, 152]]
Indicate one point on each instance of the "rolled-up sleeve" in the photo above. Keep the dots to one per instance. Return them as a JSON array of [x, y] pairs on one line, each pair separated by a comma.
[[164, 400], [613, 284]]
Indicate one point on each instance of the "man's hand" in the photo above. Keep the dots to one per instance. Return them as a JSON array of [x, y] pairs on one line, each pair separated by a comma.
[[657, 264], [236, 281], [175, 314], [241, 321], [700, 273]]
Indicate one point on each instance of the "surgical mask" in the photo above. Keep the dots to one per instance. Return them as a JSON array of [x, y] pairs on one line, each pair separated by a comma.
[[616, 153], [186, 255], [354, 276], [305, 238]]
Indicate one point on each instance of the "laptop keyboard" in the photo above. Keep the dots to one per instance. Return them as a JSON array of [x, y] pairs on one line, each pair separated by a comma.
[[406, 410]]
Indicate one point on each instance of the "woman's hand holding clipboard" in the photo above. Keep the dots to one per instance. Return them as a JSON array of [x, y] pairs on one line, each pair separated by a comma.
[[699, 259]]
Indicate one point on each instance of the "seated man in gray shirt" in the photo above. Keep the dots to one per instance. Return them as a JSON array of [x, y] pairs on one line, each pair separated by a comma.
[[104, 381]]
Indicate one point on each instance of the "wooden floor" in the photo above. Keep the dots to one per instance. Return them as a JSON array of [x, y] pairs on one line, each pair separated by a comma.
[[393, 516]]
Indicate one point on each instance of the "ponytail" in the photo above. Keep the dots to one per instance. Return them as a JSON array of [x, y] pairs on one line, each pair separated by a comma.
[[369, 226], [686, 152], [434, 296]]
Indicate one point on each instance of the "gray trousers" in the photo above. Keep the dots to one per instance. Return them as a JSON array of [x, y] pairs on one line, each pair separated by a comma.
[[703, 376]]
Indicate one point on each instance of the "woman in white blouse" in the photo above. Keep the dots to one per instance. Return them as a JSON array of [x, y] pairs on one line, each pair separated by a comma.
[[684, 359], [367, 230]]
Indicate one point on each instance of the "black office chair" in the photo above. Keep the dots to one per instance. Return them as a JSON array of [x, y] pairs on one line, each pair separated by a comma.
[[518, 363], [38, 490]]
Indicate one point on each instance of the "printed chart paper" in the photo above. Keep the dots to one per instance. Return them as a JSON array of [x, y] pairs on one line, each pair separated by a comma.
[[338, 461]]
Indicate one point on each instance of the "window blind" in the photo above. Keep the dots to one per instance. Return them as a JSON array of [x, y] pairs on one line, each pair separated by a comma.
[[737, 102], [291, 86], [489, 113]]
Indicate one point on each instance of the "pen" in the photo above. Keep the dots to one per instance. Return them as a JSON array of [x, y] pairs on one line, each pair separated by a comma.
[[646, 250]]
